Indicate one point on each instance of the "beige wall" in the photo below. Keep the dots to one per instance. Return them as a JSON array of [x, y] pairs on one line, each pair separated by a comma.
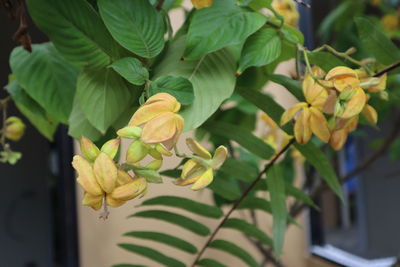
[[98, 238]]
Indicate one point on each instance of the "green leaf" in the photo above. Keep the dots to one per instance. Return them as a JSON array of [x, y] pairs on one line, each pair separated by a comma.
[[245, 138], [221, 25], [276, 185], [266, 104], [151, 176], [326, 61], [292, 34], [136, 25], [75, 29], [225, 187], [79, 126], [239, 170], [177, 219], [255, 203], [185, 204], [234, 250], [32, 110], [179, 87], [300, 195], [248, 229], [46, 77], [260, 49], [103, 96], [131, 69], [152, 254], [173, 173], [258, 4], [376, 43], [293, 86], [210, 263], [318, 160], [212, 77], [165, 239]]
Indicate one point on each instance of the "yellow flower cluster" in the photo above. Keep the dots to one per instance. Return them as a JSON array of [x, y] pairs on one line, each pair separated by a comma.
[[341, 94], [154, 130], [287, 9]]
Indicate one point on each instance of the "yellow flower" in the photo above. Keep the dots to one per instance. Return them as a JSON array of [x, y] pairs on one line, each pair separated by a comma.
[[341, 131], [287, 9], [390, 22], [161, 123], [310, 118], [372, 84], [14, 128], [202, 3], [199, 170], [343, 78]]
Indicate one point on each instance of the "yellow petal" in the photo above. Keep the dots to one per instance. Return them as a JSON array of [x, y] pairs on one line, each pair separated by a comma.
[[86, 177], [339, 72], [291, 112], [370, 114], [88, 149], [156, 105], [197, 149], [106, 172], [165, 127], [380, 84], [130, 190], [137, 151], [346, 82], [123, 178], [190, 169], [319, 125], [202, 3], [312, 90], [329, 106], [204, 180], [302, 131], [219, 157], [355, 105], [111, 147], [163, 150], [338, 139], [114, 203], [95, 202]]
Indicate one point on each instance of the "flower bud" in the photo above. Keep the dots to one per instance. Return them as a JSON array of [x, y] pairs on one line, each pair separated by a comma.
[[88, 149], [111, 147], [131, 190], [114, 203], [14, 128], [95, 202], [137, 150], [106, 172], [133, 132], [86, 177], [155, 164]]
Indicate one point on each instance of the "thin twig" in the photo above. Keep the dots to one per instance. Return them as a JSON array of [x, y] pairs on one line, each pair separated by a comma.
[[386, 70], [243, 196]]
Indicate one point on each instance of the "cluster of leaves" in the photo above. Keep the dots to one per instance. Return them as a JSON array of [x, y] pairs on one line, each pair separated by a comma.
[[106, 58]]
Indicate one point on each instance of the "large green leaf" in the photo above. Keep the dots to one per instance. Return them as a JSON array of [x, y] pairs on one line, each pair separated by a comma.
[[239, 170], [376, 42], [79, 126], [169, 240], [276, 185], [300, 195], [177, 219], [266, 104], [103, 96], [152, 254], [225, 187], [210, 263], [136, 25], [325, 60], [219, 26], [319, 161], [234, 250], [132, 70], [186, 204], [76, 30], [255, 203], [245, 138], [212, 77], [179, 87], [260, 49], [46, 77], [248, 229], [32, 110]]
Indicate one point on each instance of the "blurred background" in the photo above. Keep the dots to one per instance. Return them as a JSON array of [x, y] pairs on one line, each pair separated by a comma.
[[42, 223]]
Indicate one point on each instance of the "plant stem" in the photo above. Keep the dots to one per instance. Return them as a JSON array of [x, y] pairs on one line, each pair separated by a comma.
[[390, 68], [243, 196]]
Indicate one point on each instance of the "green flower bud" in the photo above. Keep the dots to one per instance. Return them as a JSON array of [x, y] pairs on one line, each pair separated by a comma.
[[111, 147], [137, 150], [88, 149], [132, 132]]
